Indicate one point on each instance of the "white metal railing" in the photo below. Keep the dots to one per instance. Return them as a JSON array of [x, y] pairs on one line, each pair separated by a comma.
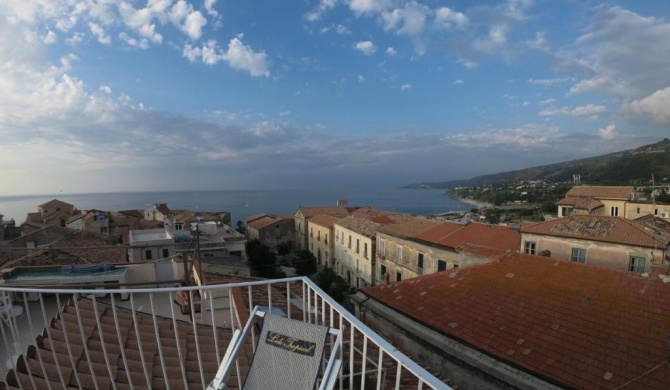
[[101, 341]]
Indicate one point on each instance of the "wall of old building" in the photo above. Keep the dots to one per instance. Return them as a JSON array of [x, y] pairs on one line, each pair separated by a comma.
[[602, 254], [321, 243], [355, 261]]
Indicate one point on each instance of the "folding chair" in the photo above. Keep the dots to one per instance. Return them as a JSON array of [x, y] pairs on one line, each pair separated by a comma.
[[289, 355]]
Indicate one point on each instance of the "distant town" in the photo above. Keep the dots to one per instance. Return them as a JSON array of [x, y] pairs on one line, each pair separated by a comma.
[[496, 297]]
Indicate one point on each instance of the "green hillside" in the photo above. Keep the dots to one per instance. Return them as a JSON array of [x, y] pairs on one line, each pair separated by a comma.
[[629, 167]]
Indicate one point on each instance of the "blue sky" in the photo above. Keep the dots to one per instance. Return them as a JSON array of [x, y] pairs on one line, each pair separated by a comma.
[[103, 95]]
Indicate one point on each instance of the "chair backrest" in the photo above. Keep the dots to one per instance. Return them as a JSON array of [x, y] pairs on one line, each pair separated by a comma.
[[288, 355]]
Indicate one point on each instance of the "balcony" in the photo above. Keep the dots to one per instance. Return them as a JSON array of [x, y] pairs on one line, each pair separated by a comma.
[[138, 339]]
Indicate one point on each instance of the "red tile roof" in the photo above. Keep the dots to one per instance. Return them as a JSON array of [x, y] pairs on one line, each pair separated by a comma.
[[407, 226], [132, 213], [261, 222], [54, 203], [586, 203], [362, 226], [498, 237], [599, 228], [602, 192], [578, 325], [324, 220], [164, 209], [337, 211]]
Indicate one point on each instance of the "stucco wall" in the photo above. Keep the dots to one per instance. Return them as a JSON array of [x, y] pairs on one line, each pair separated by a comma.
[[321, 243], [607, 255]]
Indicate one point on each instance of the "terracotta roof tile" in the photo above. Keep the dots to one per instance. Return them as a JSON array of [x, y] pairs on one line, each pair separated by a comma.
[[132, 213], [602, 192], [362, 226], [600, 228], [497, 237], [579, 325], [586, 203], [164, 209], [336, 211], [324, 220], [55, 203], [408, 226]]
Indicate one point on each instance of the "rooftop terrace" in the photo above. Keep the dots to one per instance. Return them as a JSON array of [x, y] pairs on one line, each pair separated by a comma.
[[138, 338]]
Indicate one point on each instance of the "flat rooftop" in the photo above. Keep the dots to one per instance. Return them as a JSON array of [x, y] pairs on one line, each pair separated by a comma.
[[149, 235]]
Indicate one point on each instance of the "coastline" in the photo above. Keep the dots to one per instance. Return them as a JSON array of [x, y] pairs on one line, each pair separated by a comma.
[[478, 204]]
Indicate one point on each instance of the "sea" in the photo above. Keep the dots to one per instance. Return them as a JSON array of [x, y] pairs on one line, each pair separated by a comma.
[[244, 203]]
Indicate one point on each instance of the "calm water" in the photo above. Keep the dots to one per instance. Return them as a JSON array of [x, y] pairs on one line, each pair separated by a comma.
[[244, 203]]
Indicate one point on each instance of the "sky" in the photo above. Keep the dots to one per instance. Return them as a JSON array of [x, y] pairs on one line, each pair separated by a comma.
[[107, 96]]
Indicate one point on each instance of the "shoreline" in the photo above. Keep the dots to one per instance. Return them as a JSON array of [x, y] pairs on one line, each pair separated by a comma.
[[478, 204]]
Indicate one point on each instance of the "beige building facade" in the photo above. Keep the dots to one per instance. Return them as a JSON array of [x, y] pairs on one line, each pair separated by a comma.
[[609, 242], [355, 251], [321, 242]]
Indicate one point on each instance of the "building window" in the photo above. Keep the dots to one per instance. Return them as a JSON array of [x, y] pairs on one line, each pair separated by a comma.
[[420, 264], [578, 255], [311, 232], [365, 250], [399, 253], [655, 211], [567, 211], [103, 229], [637, 211], [398, 276], [358, 245], [148, 255], [179, 226], [318, 235], [325, 239], [382, 247], [382, 269], [166, 253], [636, 264], [614, 211], [530, 247], [342, 238], [350, 241], [441, 265]]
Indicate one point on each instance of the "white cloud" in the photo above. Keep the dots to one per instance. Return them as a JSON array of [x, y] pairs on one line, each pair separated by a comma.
[[366, 47], [548, 82], [50, 38], [656, 105], [391, 51], [458, 82], [193, 25], [362, 7], [209, 7], [626, 54], [321, 8], [130, 41], [238, 56], [75, 39], [406, 87], [608, 132], [99, 32], [468, 63], [409, 20], [106, 89], [547, 101], [342, 30], [445, 18], [590, 110], [361, 79], [540, 42]]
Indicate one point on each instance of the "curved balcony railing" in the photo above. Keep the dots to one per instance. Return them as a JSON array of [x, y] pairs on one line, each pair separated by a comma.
[[174, 337]]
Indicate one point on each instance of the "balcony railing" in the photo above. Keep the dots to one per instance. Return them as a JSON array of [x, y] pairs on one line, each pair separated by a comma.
[[175, 337]]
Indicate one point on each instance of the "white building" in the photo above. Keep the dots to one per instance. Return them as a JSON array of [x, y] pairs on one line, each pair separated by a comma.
[[150, 244]]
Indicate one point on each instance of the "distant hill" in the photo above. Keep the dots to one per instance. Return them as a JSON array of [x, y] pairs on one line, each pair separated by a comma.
[[629, 167]]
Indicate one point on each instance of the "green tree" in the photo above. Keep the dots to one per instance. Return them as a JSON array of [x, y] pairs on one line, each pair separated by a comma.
[[261, 259], [332, 284], [304, 263], [241, 228], [284, 248]]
